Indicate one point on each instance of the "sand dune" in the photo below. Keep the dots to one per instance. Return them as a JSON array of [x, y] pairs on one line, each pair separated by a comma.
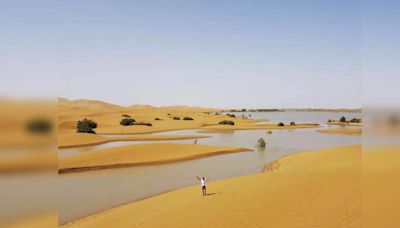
[[312, 189], [140, 154]]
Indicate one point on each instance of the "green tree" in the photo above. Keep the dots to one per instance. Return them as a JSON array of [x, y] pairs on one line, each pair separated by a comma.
[[86, 126], [127, 121], [261, 143]]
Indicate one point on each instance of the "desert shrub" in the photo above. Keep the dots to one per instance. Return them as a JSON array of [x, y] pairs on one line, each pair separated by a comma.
[[125, 115], [143, 123], [244, 110], [342, 119], [187, 118], [176, 118], [86, 126], [226, 122], [261, 143], [355, 120], [292, 123], [281, 124], [217, 113], [269, 132], [127, 121], [329, 121], [231, 115], [157, 118], [39, 125]]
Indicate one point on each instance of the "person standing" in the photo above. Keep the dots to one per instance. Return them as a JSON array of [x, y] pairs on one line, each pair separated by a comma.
[[203, 184]]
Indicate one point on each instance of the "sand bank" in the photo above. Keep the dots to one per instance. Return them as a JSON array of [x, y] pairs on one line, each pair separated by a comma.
[[344, 131], [140, 154], [81, 139], [312, 189], [218, 127], [337, 123]]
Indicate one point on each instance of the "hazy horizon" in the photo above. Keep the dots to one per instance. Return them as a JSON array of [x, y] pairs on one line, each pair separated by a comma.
[[124, 105]]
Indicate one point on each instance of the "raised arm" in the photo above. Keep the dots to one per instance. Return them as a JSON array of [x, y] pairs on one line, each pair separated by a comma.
[[198, 178]]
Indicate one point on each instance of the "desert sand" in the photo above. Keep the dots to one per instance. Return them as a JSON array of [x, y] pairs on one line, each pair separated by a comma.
[[381, 172], [141, 154], [312, 189]]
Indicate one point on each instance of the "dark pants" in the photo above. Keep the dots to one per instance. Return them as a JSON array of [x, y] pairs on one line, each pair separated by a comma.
[[203, 189]]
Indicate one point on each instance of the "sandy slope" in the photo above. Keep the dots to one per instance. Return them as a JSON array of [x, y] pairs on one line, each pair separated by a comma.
[[312, 189], [140, 154]]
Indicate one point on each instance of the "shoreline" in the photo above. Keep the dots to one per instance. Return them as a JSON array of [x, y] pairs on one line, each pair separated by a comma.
[[98, 159], [265, 171], [135, 138]]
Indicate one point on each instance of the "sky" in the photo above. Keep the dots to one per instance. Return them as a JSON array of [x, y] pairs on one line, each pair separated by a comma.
[[228, 54]]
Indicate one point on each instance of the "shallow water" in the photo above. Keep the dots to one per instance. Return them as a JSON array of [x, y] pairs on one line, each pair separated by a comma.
[[98, 190]]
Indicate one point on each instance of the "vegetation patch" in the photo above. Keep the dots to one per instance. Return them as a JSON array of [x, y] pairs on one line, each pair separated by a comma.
[[127, 121], [39, 125], [187, 118], [261, 143], [86, 126]]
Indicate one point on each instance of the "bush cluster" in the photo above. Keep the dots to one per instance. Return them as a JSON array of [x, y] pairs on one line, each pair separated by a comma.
[[127, 121], [231, 115], [157, 118], [125, 115], [226, 122], [355, 120], [292, 123], [342, 119], [281, 124], [176, 118], [86, 126], [261, 143], [187, 118], [39, 125]]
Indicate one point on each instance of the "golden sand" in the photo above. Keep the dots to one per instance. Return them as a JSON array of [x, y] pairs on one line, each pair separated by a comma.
[[344, 131], [381, 187], [140, 154], [312, 189]]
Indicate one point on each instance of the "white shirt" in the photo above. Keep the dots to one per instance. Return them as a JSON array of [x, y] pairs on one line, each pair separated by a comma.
[[203, 182]]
